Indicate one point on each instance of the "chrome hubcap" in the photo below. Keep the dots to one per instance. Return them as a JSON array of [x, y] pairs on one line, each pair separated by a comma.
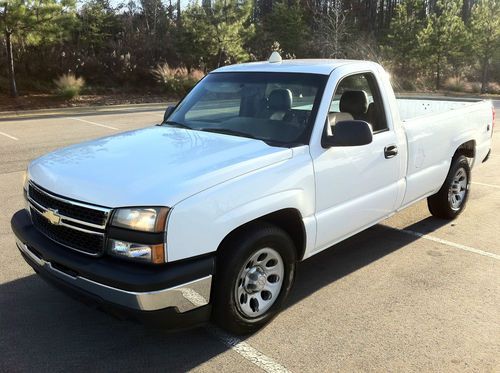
[[259, 282], [458, 188]]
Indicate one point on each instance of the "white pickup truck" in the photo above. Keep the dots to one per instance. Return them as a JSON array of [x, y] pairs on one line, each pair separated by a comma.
[[260, 166]]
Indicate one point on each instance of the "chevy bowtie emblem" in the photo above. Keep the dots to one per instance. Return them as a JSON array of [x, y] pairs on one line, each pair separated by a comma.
[[52, 216]]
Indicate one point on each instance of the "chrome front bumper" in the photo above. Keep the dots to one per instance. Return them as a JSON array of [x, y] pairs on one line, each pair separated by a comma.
[[184, 297]]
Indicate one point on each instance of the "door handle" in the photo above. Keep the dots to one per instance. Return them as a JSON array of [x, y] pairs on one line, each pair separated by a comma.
[[390, 151]]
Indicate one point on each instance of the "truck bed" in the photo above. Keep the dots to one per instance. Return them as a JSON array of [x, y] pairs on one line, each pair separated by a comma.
[[436, 126], [413, 107]]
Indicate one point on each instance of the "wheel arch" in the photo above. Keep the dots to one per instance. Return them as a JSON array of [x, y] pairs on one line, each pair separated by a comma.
[[467, 149], [288, 219]]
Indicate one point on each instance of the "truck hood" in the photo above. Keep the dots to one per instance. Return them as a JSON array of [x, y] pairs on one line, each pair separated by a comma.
[[157, 166]]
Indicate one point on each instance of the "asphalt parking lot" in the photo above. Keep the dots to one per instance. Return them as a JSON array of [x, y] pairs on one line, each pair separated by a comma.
[[413, 293]]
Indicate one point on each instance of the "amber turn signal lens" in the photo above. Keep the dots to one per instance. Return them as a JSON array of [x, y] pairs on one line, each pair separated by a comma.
[[158, 254]]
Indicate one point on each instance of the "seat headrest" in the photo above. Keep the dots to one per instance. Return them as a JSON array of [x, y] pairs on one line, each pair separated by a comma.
[[280, 99], [333, 118], [354, 102]]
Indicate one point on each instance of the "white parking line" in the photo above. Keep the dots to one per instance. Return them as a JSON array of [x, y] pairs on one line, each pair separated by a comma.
[[445, 242], [488, 185], [234, 343], [9, 136], [94, 123], [248, 352]]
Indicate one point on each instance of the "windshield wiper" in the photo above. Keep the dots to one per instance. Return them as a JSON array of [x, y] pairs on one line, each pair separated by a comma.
[[176, 124], [227, 131]]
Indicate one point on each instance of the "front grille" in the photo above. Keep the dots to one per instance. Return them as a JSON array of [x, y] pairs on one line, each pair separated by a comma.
[[66, 208], [88, 243], [75, 225]]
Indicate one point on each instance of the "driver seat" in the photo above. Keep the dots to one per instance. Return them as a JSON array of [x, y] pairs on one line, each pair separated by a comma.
[[355, 103], [279, 104]]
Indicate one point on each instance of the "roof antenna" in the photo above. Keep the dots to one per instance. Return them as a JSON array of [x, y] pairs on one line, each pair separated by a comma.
[[275, 58]]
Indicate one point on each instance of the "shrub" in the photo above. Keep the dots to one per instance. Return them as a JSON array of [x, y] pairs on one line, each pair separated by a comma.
[[494, 88], [473, 87], [455, 84], [68, 86], [177, 80], [476, 88], [403, 84]]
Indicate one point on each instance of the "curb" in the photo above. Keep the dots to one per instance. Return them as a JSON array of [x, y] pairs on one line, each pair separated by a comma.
[[84, 110]]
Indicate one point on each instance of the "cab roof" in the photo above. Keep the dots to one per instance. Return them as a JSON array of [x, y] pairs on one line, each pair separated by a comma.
[[311, 66]]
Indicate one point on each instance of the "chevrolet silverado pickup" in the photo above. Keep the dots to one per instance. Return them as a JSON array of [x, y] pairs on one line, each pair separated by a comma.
[[262, 165]]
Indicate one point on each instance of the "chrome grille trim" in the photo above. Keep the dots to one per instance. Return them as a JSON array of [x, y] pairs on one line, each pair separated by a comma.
[[41, 210], [71, 222], [72, 248], [106, 211]]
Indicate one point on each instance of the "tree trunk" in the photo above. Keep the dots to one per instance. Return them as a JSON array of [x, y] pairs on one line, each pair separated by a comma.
[[178, 12], [10, 64], [438, 73], [484, 76]]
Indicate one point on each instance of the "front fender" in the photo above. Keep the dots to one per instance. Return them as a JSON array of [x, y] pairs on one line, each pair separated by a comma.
[[197, 225]]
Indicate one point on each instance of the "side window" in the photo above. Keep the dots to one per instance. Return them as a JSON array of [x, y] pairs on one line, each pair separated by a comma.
[[358, 97]]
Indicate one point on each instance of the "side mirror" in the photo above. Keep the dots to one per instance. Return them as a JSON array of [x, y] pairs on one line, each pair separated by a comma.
[[168, 112], [349, 133]]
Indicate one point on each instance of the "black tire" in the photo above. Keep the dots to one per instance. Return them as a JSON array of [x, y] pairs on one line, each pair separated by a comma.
[[439, 204], [232, 258]]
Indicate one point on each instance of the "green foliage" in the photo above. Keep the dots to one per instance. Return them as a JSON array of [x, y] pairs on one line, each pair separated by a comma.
[[485, 27], [402, 43], [97, 23], [33, 22], [215, 36], [68, 86], [423, 43], [286, 25], [444, 39], [36, 21]]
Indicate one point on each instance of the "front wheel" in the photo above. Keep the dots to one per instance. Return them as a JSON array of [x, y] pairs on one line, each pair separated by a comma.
[[255, 272], [450, 200]]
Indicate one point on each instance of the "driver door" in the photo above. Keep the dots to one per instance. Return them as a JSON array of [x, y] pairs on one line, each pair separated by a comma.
[[356, 186]]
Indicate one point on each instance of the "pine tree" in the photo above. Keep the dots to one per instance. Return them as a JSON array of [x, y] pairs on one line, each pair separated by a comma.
[[30, 21], [402, 39], [286, 25], [444, 37], [485, 28], [216, 34]]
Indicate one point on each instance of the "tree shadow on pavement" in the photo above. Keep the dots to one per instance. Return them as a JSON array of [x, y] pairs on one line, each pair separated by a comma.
[[43, 329]]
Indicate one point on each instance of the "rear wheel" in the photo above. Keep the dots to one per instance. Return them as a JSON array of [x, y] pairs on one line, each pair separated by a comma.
[[451, 199], [255, 272]]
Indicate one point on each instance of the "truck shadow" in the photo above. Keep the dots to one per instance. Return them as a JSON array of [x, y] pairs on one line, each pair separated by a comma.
[[43, 328], [353, 254]]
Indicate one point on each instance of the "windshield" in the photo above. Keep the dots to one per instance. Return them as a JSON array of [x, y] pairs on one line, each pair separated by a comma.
[[278, 108]]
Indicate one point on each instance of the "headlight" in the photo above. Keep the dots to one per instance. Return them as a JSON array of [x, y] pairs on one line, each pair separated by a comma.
[[150, 219], [136, 251], [149, 223]]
